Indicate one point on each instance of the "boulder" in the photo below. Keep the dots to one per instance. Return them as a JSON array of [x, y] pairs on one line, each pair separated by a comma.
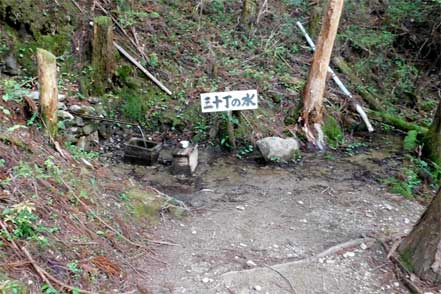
[[276, 148], [64, 115], [89, 128], [82, 109]]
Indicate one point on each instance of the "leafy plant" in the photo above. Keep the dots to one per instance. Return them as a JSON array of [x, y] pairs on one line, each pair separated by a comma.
[[410, 141], [14, 91], [244, 150]]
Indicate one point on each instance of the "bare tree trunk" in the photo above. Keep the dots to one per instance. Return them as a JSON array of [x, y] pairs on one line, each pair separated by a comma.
[[103, 54], [312, 116], [420, 251], [47, 78], [249, 14], [432, 139]]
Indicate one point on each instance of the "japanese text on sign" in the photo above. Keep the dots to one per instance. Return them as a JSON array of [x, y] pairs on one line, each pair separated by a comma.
[[228, 101]]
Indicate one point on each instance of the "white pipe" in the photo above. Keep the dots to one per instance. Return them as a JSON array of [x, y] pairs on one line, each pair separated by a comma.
[[339, 83]]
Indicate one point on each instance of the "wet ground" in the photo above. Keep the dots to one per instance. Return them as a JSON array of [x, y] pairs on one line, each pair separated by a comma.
[[252, 225]]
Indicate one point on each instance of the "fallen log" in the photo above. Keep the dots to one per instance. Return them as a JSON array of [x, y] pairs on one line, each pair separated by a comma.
[[396, 121]]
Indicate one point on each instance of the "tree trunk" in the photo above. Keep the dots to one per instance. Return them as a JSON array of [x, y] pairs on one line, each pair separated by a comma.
[[432, 139], [47, 78], [249, 14], [103, 54], [420, 251], [312, 116]]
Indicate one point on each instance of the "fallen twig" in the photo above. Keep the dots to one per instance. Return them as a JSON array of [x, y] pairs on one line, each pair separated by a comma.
[[46, 276], [109, 226], [283, 276]]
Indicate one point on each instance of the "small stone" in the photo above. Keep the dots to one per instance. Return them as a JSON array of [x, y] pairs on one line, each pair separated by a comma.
[[257, 288], [205, 280], [396, 284], [388, 207], [348, 254], [251, 263], [62, 106], [330, 261], [363, 246], [61, 97], [407, 221], [240, 207], [35, 95], [276, 246], [81, 144], [194, 232], [303, 221], [242, 244], [300, 202]]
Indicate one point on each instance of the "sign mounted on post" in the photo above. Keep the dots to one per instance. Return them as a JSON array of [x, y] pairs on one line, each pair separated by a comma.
[[229, 101]]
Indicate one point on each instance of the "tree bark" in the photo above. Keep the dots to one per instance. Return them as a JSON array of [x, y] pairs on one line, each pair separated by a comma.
[[312, 116], [47, 78], [420, 251], [432, 139], [249, 14], [103, 54]]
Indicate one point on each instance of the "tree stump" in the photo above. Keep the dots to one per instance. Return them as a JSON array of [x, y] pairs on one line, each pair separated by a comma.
[[420, 251], [47, 78], [103, 54], [312, 116]]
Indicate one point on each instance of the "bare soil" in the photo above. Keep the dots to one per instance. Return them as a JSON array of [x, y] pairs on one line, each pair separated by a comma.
[[250, 223]]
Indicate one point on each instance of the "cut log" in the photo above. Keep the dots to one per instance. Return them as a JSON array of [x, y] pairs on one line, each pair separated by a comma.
[[47, 78], [103, 54], [420, 251], [312, 116]]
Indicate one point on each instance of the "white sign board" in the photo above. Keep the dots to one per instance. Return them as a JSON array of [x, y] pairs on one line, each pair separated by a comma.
[[229, 101]]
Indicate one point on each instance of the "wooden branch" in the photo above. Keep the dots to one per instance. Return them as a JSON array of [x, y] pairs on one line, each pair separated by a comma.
[[293, 291], [143, 69], [46, 276]]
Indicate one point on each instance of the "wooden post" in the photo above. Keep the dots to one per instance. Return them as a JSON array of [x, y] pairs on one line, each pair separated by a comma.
[[312, 116], [47, 78], [230, 130], [103, 54]]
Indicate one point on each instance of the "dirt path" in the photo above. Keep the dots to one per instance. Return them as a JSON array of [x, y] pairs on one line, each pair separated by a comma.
[[247, 217]]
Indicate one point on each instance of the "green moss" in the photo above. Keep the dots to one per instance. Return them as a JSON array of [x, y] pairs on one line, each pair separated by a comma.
[[406, 259], [103, 20], [333, 132]]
